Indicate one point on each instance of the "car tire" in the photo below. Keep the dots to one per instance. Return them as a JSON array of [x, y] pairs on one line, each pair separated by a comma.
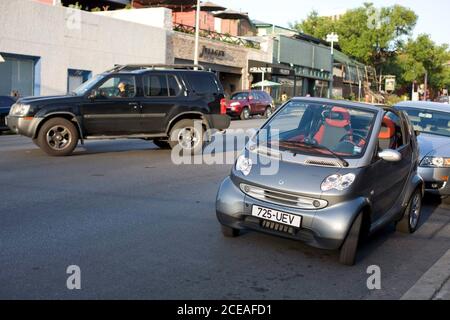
[[184, 133], [350, 247], [229, 232], [58, 137], [268, 112], [162, 144], [411, 217], [245, 114]]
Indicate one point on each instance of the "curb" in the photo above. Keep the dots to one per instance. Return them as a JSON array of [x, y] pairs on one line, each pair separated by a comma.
[[433, 283]]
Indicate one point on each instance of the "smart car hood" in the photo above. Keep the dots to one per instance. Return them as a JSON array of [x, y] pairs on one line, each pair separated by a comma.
[[434, 145], [290, 177]]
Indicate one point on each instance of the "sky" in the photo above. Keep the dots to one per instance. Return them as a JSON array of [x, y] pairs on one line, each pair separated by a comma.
[[434, 15]]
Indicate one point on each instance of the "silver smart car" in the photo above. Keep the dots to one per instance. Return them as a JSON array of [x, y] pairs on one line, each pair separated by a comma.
[[326, 173], [432, 120]]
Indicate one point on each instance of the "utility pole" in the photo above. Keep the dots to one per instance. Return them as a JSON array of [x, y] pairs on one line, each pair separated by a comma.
[[332, 37], [197, 33]]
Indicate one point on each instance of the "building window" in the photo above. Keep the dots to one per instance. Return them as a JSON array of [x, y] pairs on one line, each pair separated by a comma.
[[18, 74], [76, 78]]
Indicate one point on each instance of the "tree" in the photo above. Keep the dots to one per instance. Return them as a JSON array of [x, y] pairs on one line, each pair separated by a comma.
[[422, 55], [366, 33], [315, 25]]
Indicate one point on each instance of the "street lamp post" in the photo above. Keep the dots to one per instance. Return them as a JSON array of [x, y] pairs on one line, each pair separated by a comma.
[[197, 33], [332, 38]]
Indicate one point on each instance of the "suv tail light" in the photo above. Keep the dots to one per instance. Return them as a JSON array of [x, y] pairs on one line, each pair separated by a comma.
[[223, 106]]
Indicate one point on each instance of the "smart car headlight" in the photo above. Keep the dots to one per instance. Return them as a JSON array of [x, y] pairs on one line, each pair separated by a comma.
[[338, 182], [435, 162], [244, 165], [19, 110]]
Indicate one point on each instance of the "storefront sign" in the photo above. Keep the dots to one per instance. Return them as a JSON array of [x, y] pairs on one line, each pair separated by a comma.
[[260, 70], [212, 53], [390, 83], [285, 72]]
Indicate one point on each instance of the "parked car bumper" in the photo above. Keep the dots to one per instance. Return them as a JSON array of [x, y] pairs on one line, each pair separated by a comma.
[[436, 180], [3, 126], [25, 126], [326, 228]]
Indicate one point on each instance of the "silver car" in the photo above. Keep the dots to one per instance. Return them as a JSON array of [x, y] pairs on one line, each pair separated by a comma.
[[326, 173], [432, 120]]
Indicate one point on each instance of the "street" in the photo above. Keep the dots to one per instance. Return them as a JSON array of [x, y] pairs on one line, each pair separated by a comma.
[[140, 227]]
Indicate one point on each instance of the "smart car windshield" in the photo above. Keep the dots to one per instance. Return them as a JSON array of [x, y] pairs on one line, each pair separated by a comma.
[[319, 129], [429, 121]]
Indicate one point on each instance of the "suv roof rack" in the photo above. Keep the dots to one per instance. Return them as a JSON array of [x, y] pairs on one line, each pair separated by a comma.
[[118, 68]]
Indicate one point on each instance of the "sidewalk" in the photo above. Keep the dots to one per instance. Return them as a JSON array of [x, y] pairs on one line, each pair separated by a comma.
[[434, 284]]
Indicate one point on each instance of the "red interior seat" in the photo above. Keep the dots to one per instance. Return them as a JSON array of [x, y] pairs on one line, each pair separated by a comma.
[[386, 138], [335, 126]]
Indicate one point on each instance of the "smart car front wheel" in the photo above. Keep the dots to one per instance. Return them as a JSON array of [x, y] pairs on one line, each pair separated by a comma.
[[350, 246], [411, 217]]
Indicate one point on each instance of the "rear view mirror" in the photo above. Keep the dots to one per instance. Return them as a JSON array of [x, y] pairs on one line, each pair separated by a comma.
[[390, 155]]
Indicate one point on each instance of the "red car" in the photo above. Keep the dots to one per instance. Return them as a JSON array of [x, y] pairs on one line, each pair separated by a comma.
[[247, 103]]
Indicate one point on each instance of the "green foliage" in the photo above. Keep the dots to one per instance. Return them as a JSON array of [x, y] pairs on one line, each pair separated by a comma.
[[380, 37], [423, 55], [366, 33], [76, 6], [393, 99], [315, 25]]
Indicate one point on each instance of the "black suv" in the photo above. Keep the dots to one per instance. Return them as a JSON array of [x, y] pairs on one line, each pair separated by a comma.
[[161, 103]]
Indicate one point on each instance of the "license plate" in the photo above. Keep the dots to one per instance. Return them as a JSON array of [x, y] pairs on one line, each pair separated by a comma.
[[277, 216]]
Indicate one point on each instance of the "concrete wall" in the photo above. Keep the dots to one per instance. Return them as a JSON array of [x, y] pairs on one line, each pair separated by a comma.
[[154, 17], [64, 38]]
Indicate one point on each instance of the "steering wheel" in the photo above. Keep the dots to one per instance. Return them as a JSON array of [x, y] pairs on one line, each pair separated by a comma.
[[361, 138]]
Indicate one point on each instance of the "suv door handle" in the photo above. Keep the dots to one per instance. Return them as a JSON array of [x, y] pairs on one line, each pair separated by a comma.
[[136, 105]]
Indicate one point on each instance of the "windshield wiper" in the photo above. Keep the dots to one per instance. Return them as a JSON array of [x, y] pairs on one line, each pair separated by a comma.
[[344, 162]]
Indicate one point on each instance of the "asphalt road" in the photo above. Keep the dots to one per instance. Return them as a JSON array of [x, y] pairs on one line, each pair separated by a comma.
[[140, 227]]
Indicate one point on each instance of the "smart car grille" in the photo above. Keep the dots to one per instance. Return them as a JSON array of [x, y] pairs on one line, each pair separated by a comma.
[[322, 163], [283, 198], [2, 122], [277, 227]]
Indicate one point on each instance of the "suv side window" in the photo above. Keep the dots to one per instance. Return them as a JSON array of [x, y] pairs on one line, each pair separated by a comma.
[[118, 87], [203, 82], [161, 86], [174, 86]]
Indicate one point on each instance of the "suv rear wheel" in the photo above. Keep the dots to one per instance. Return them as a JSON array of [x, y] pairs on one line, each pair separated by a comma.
[[58, 137], [188, 135]]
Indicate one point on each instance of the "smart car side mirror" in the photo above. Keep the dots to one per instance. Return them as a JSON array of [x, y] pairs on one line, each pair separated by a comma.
[[390, 155]]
